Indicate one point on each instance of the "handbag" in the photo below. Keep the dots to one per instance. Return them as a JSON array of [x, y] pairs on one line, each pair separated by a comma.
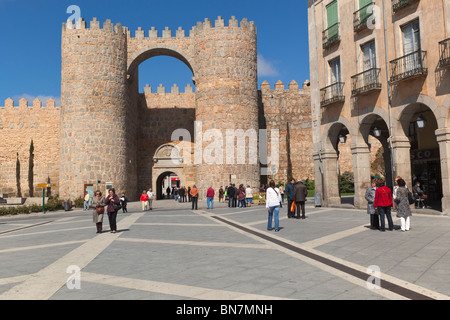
[[293, 206], [411, 199], [117, 207], [100, 210]]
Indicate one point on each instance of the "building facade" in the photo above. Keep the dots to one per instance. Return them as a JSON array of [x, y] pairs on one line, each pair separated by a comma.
[[377, 69], [108, 133]]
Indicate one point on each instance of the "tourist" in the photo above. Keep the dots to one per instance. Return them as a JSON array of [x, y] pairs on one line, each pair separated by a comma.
[[168, 192], [300, 194], [144, 200], [221, 194], [182, 194], [124, 202], [290, 197], [194, 197], [210, 197], [383, 204], [98, 203], [281, 188], [189, 193], [241, 196], [150, 198], [113, 203], [394, 191], [273, 200], [370, 197], [403, 206], [86, 201], [249, 196], [235, 198], [230, 194]]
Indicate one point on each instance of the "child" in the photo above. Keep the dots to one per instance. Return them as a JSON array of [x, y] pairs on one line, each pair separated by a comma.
[[123, 202]]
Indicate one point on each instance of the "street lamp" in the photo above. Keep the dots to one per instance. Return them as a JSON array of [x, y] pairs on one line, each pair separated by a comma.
[[421, 121], [342, 138], [376, 132]]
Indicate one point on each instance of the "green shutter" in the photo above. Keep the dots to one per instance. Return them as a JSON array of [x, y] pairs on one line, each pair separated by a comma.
[[364, 12], [332, 19], [332, 13]]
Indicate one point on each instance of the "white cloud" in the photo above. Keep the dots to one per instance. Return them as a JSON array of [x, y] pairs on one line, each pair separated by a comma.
[[266, 68], [30, 98]]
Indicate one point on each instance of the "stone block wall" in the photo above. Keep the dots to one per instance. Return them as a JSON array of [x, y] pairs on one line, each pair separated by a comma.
[[18, 125]]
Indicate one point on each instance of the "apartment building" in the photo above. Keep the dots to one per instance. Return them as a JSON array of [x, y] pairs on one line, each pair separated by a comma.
[[380, 69]]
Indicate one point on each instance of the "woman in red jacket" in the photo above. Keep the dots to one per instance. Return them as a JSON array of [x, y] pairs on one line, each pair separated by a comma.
[[383, 204]]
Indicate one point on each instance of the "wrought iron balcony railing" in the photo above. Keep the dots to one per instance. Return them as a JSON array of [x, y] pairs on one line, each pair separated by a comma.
[[332, 93], [331, 35], [399, 4], [444, 50], [409, 66], [363, 16], [366, 81]]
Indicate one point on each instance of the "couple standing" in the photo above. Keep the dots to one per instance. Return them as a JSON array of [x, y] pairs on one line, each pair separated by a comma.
[[112, 202], [296, 193]]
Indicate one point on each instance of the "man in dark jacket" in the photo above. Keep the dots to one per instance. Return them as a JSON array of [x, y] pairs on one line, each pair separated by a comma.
[[290, 197], [230, 194], [300, 193]]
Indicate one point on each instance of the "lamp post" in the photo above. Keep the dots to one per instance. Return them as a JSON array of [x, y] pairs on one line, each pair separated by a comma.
[[377, 132]]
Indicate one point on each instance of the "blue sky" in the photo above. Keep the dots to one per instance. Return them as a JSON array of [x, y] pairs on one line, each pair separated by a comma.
[[30, 49]]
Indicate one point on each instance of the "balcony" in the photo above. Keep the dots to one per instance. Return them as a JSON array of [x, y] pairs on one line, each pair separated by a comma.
[[331, 36], [400, 4], [409, 66], [444, 50], [363, 16], [366, 82], [332, 94]]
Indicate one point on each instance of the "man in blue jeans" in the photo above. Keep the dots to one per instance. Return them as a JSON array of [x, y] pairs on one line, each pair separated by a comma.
[[210, 197]]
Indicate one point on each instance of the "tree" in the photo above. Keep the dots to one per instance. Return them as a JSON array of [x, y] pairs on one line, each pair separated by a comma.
[[19, 190], [31, 170]]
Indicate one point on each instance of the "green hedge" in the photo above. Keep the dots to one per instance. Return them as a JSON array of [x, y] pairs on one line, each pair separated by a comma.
[[53, 204]]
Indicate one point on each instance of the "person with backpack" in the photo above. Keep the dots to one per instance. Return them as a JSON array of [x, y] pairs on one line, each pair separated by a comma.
[[403, 205]]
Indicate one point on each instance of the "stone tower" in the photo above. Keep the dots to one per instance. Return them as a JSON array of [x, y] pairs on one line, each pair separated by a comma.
[[94, 101], [101, 112], [227, 98]]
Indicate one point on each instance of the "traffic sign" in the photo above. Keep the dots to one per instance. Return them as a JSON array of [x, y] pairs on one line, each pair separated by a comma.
[[45, 185]]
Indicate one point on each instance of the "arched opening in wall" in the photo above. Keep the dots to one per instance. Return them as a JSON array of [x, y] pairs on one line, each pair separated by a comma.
[[165, 74], [161, 82], [344, 190], [167, 184], [375, 132], [419, 125]]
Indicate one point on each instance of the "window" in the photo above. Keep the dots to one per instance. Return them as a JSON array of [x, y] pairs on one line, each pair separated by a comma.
[[332, 19], [411, 37], [335, 70], [369, 56]]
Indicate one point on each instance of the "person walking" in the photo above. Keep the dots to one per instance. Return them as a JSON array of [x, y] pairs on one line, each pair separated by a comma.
[[182, 194], [124, 202], [403, 206], [300, 193], [144, 200], [150, 198], [273, 200], [249, 196], [221, 194], [281, 188], [290, 197], [86, 201], [113, 203], [194, 195], [370, 197], [241, 196], [210, 197], [98, 204], [383, 203]]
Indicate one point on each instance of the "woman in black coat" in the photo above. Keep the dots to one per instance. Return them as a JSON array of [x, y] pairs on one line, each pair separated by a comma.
[[113, 203]]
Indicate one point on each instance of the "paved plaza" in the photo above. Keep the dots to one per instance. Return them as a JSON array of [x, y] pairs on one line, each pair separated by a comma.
[[174, 253]]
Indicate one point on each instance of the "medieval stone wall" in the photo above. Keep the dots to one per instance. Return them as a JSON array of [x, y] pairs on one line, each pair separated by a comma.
[[18, 126]]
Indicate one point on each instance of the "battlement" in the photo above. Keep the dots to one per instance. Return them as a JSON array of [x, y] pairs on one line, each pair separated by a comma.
[[23, 104], [280, 87], [153, 33], [161, 90]]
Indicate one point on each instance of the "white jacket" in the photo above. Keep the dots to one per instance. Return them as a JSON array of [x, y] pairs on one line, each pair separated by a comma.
[[249, 193], [273, 197]]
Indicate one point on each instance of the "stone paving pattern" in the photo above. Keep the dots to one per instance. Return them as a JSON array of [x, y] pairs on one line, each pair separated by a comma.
[[174, 253]]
